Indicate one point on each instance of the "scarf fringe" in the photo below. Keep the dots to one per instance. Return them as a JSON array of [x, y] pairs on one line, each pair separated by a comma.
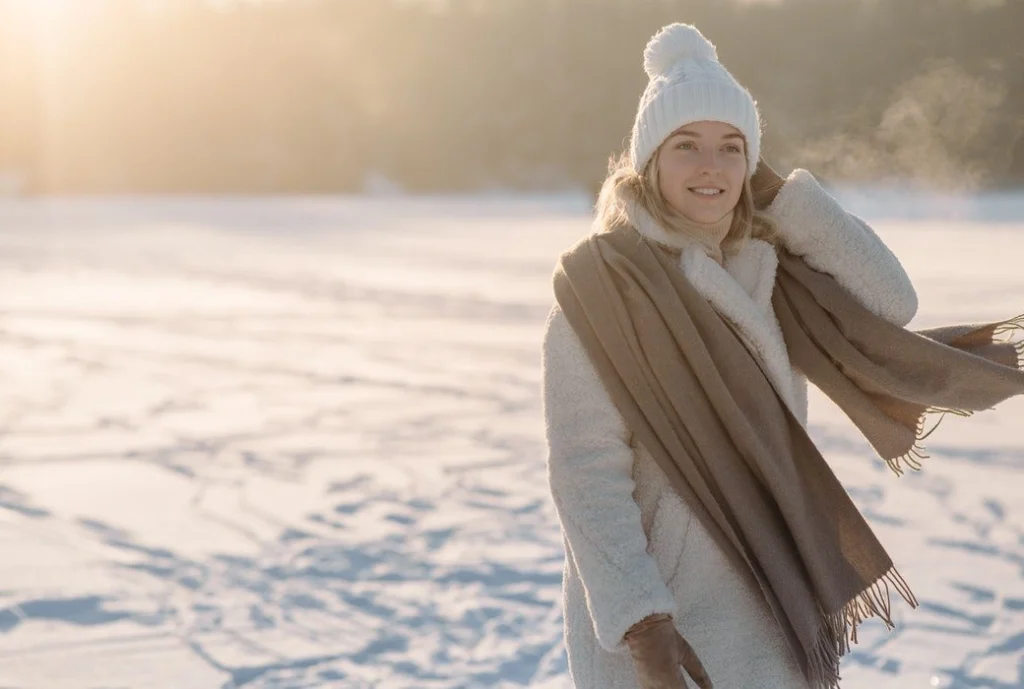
[[1011, 325], [1009, 328], [839, 629], [912, 458]]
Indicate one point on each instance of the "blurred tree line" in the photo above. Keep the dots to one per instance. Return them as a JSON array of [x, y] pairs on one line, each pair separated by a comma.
[[152, 96]]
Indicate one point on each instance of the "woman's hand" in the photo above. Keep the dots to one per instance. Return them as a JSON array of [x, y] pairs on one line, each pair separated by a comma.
[[765, 184], [659, 651]]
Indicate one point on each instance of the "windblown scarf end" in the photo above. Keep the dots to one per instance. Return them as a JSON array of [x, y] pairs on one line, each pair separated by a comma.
[[1001, 334]]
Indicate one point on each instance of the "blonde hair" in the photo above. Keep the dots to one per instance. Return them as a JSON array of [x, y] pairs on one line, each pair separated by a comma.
[[624, 185]]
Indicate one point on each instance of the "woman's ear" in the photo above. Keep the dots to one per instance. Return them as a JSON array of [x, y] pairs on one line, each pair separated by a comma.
[[765, 184]]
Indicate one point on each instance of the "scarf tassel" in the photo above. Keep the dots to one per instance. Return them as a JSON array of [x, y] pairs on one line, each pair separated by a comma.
[[912, 458], [1009, 328], [1012, 325], [839, 629]]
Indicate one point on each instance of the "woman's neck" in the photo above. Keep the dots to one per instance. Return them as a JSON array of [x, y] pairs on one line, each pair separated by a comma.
[[685, 232], [710, 235]]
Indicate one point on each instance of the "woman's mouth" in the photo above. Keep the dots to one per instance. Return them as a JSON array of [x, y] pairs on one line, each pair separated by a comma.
[[708, 192]]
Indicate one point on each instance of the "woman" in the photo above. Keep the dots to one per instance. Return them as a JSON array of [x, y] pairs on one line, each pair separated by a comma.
[[663, 568]]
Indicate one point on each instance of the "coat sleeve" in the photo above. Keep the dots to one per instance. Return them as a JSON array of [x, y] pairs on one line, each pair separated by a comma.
[[814, 225], [590, 475]]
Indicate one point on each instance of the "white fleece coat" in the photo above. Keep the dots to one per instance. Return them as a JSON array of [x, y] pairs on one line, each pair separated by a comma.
[[633, 547]]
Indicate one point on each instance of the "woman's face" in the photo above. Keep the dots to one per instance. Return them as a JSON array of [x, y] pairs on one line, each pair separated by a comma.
[[701, 169]]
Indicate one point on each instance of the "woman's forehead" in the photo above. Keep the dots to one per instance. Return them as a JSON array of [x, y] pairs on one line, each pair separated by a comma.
[[709, 128]]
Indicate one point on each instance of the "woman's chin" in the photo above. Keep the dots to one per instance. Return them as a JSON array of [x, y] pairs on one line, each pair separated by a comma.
[[704, 218]]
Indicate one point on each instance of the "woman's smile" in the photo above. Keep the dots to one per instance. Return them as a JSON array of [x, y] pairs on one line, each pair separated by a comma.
[[707, 192]]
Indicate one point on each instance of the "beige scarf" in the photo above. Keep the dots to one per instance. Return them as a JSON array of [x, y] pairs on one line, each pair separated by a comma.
[[703, 407]]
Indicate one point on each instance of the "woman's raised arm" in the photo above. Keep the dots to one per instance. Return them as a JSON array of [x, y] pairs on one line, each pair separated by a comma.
[[814, 225]]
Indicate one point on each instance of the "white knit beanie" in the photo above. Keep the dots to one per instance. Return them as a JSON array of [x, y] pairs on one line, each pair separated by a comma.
[[689, 84]]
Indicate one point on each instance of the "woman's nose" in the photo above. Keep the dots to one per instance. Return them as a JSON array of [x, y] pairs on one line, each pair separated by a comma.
[[708, 161]]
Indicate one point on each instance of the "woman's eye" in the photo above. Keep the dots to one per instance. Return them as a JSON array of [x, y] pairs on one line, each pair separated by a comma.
[[732, 148], [686, 145]]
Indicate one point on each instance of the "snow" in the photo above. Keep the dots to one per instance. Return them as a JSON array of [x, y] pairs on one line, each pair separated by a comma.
[[297, 442]]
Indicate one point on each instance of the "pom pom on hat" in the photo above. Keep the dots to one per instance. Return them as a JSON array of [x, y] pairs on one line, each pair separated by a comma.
[[673, 43]]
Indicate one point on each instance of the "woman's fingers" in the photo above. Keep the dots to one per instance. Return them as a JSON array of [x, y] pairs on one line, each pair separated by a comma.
[[691, 663]]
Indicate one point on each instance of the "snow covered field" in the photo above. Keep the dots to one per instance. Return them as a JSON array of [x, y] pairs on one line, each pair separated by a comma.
[[298, 443]]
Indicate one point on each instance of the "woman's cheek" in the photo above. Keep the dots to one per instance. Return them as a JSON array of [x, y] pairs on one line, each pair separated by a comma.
[[739, 171], [673, 171]]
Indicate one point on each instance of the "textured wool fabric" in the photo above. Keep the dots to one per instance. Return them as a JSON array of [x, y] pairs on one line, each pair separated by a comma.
[[686, 84], [703, 407]]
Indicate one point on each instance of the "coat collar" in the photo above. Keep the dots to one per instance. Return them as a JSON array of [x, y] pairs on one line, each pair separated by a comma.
[[740, 290]]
